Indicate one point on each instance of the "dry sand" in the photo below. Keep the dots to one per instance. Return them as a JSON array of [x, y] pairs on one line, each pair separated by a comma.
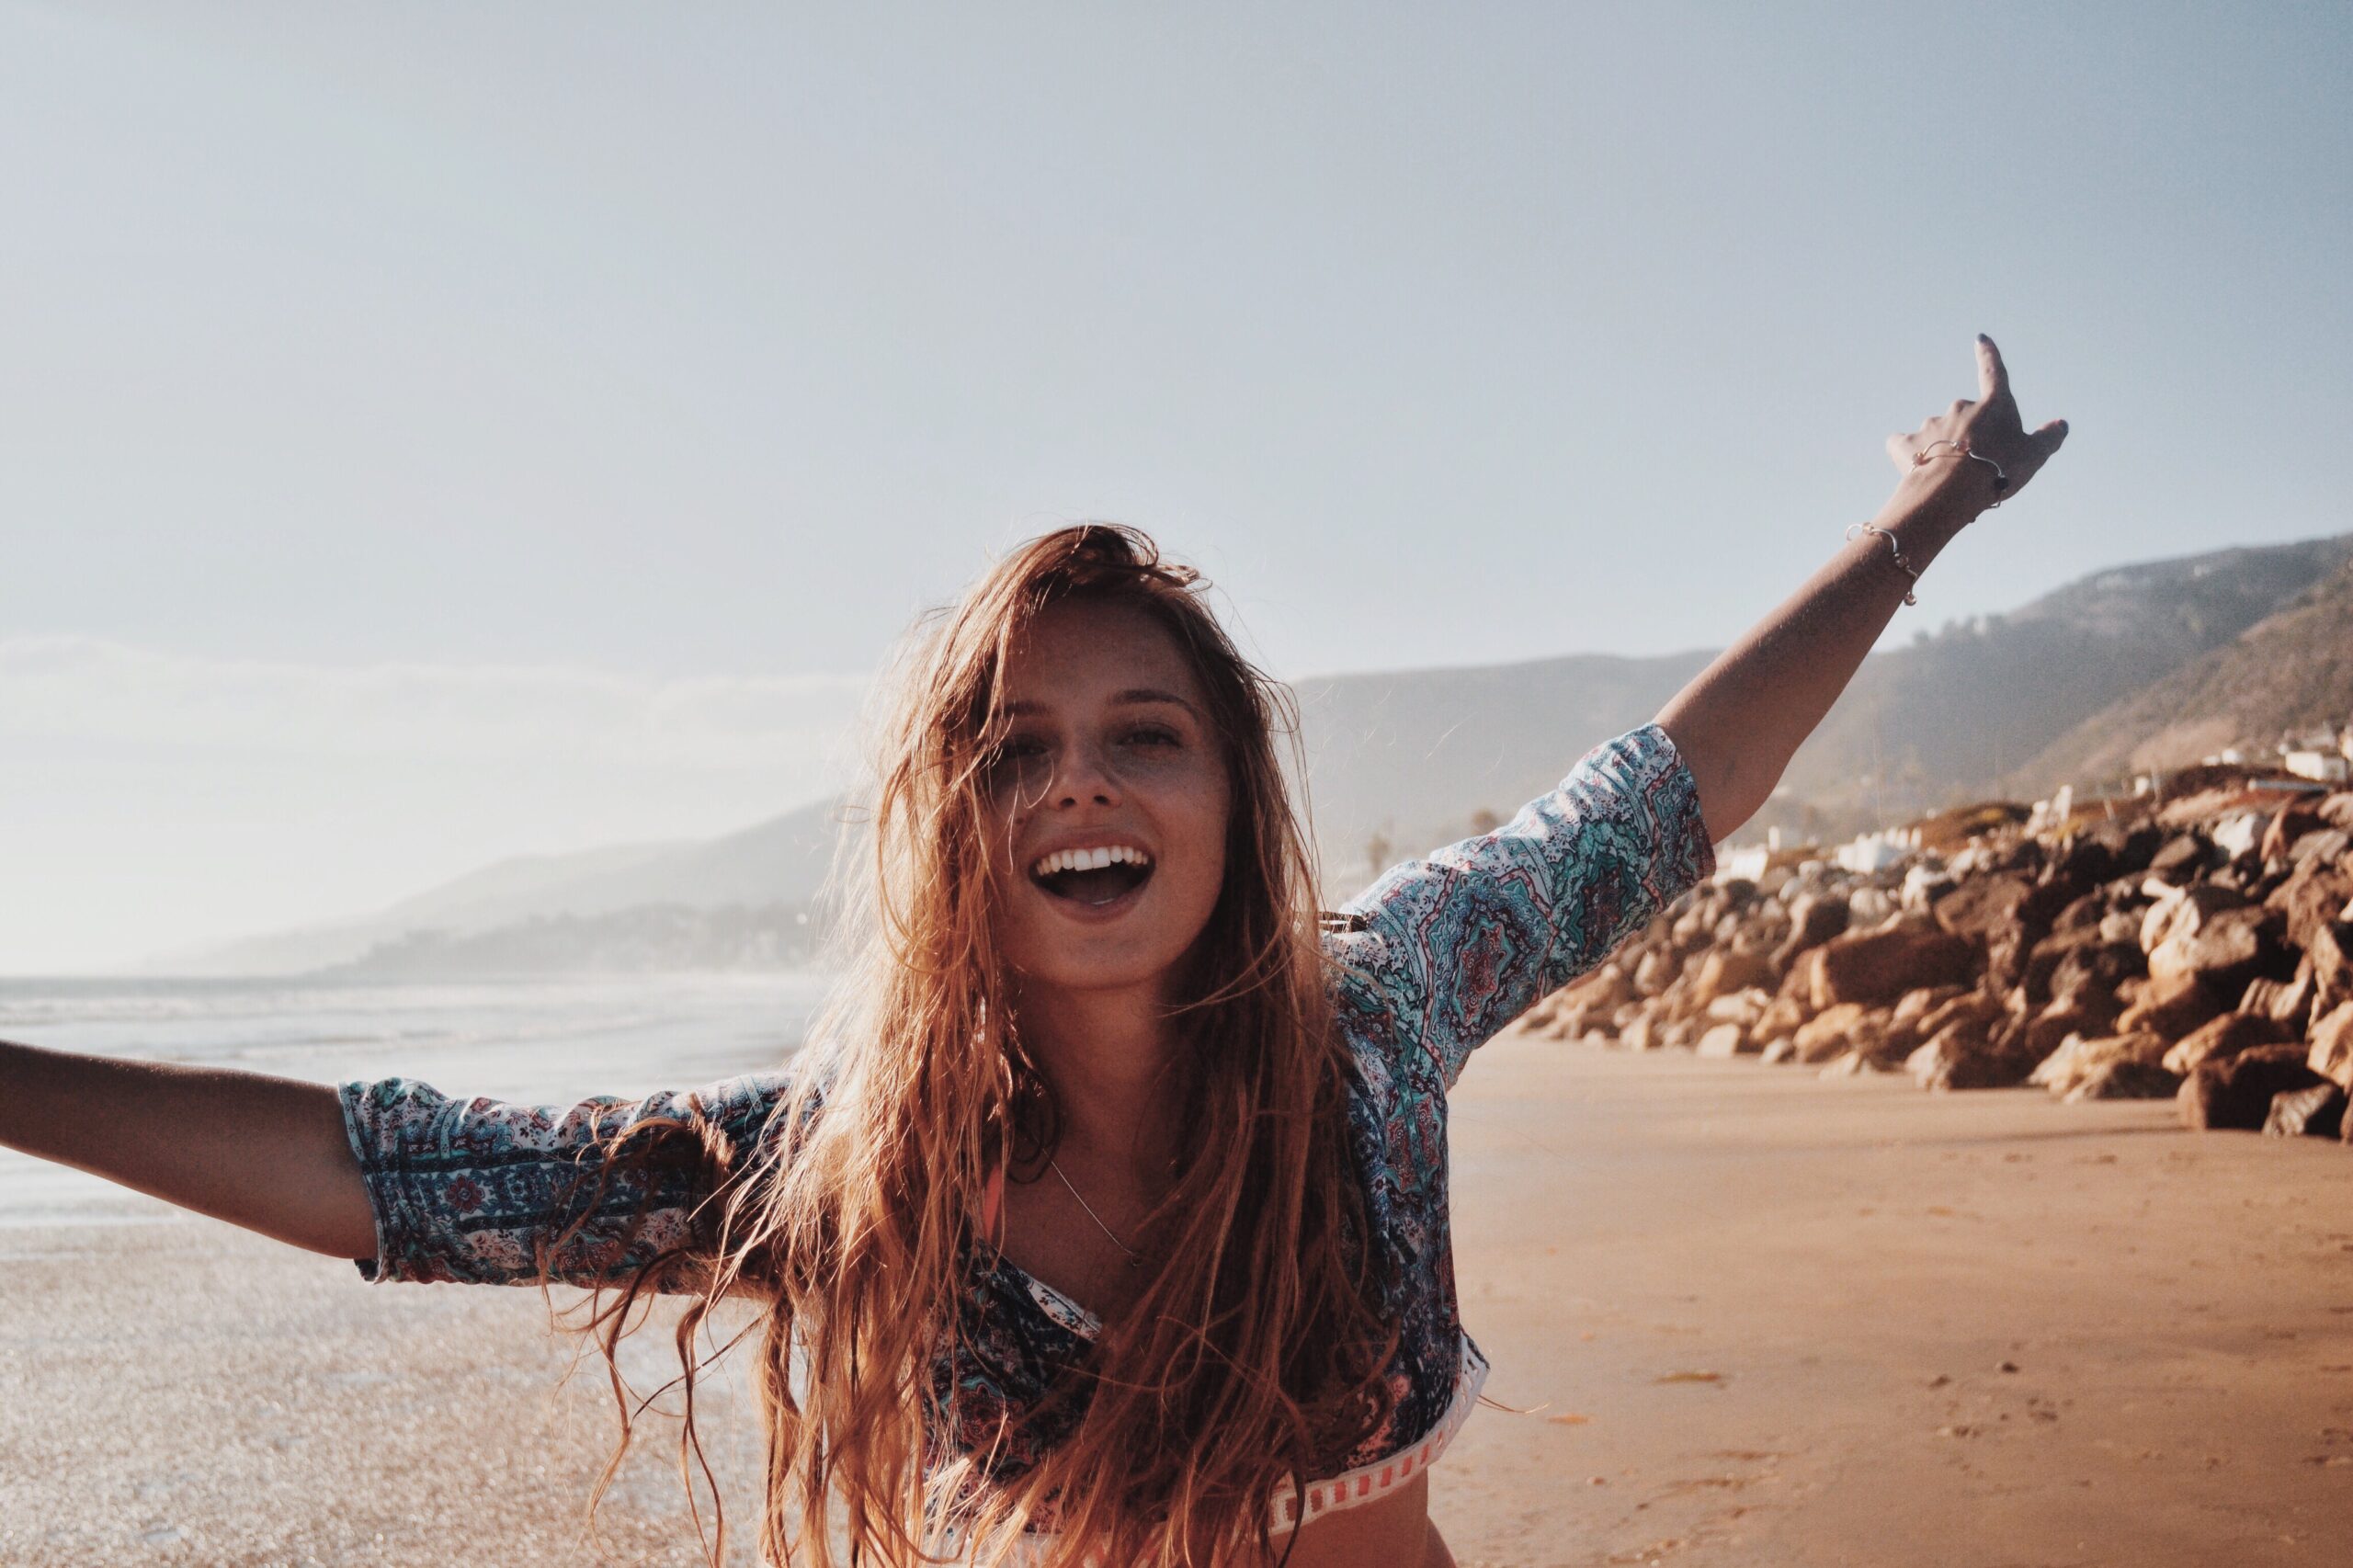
[[1763, 1320]]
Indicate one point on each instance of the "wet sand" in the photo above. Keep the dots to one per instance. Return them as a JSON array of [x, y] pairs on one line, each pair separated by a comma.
[[1757, 1319]]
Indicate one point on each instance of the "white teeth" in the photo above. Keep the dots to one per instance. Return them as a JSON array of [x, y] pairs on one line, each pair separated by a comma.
[[1093, 859]]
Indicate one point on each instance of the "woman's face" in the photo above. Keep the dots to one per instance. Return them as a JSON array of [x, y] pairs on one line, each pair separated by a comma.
[[1110, 798]]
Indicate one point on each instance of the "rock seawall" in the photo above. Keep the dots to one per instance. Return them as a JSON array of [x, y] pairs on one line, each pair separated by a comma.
[[2201, 948]]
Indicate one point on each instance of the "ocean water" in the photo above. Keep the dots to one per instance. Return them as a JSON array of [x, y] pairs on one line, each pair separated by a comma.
[[542, 1041]]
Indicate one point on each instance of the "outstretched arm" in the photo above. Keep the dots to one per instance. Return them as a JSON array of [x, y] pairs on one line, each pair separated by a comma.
[[269, 1153], [1741, 718]]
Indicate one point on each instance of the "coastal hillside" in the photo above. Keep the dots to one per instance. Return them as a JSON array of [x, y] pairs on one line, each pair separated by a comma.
[[1409, 760], [1958, 714], [557, 908], [2291, 671]]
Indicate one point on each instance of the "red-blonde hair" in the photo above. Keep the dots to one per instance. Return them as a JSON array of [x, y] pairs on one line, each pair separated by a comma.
[[1247, 1361]]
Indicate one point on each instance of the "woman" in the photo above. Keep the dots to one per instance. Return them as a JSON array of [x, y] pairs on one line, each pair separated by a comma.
[[1105, 1218]]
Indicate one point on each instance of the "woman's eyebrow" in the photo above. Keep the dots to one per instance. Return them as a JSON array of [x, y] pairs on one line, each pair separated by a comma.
[[1153, 694], [1134, 694]]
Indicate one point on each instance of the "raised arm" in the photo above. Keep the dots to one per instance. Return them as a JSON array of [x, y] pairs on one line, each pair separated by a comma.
[[1741, 718], [267, 1153]]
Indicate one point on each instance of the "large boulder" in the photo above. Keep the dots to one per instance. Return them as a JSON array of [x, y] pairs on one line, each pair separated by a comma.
[[1964, 1056], [1850, 1026], [2236, 1091], [2287, 1002], [2329, 844], [2330, 1049], [2240, 833], [1725, 1041], [1726, 970], [2181, 858], [2113, 849], [2226, 948], [2225, 1036], [1876, 967], [1647, 1032], [1782, 1015], [2314, 1111], [1927, 1011], [1568, 1012], [1989, 907], [2092, 962], [1813, 920], [2331, 951], [2089, 1012], [2082, 913], [2170, 1008], [1742, 1008], [2125, 1080], [2185, 909], [2077, 1058], [2295, 820]]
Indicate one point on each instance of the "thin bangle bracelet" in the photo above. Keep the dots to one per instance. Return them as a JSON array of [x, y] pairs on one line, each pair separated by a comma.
[[1857, 531], [2001, 480]]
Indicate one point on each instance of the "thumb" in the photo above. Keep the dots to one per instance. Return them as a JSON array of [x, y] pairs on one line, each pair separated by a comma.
[[2050, 436]]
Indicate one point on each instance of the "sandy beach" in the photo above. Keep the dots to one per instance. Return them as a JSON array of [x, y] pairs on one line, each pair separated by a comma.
[[1752, 1317]]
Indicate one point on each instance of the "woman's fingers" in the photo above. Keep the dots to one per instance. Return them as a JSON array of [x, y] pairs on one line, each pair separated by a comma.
[[1993, 380], [1989, 424]]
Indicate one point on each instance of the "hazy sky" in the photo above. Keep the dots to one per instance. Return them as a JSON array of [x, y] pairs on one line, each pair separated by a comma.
[[434, 432]]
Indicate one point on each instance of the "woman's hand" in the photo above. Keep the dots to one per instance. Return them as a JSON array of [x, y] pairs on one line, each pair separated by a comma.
[[1990, 426], [1738, 724]]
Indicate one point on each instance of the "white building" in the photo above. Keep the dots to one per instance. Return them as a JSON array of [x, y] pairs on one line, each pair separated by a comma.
[[1874, 851], [2328, 766]]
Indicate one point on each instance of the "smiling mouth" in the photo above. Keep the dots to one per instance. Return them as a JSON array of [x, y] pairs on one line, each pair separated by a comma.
[[1086, 884]]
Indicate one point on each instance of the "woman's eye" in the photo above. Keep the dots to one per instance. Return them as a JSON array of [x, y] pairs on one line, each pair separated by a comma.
[[1153, 734], [1011, 754]]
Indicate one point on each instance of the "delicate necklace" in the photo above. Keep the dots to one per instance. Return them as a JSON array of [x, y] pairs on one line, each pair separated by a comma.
[[1135, 1258]]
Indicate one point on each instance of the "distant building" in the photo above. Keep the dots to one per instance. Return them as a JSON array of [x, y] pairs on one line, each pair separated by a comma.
[[1877, 851], [2328, 766], [1744, 865]]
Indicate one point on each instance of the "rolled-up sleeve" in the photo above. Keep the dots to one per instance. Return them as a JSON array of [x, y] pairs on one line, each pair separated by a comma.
[[490, 1192], [1470, 937]]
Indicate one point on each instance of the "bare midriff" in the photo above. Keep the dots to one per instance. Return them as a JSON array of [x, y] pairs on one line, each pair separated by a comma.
[[1392, 1532]]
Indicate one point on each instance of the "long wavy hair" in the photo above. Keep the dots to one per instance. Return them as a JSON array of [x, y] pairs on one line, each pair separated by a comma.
[[1249, 1360]]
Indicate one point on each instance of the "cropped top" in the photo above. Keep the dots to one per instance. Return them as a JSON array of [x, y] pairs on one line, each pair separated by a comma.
[[1437, 956]]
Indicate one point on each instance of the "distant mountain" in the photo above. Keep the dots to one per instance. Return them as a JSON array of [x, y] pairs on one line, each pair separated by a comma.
[[2144, 662], [1960, 712], [2289, 672], [782, 861], [1408, 758], [1400, 762]]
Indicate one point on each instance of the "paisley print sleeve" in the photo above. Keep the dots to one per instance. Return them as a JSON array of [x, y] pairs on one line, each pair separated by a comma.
[[1469, 937], [485, 1192]]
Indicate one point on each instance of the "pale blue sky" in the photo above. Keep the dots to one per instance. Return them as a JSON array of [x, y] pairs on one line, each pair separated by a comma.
[[438, 431]]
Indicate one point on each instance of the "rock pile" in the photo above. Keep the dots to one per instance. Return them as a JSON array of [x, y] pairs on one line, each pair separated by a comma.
[[2201, 948]]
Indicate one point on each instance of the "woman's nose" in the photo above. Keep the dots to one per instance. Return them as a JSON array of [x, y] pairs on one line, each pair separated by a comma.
[[1085, 779]]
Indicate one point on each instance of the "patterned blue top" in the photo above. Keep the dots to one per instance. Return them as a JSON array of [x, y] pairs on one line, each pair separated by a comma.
[[1445, 951]]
